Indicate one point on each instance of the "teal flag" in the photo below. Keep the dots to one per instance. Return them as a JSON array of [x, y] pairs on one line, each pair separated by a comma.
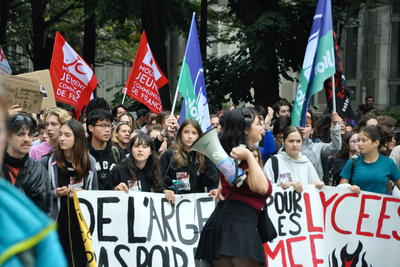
[[319, 61]]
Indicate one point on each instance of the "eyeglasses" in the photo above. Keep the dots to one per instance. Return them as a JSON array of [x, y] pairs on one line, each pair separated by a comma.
[[355, 141], [104, 126]]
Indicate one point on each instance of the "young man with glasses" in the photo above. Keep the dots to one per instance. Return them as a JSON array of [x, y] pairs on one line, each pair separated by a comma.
[[107, 154], [53, 118], [19, 169]]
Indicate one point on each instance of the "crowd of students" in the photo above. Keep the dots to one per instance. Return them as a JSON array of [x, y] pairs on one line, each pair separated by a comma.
[[112, 151]]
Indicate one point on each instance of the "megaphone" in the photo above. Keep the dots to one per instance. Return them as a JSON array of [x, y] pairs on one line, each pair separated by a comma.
[[209, 145]]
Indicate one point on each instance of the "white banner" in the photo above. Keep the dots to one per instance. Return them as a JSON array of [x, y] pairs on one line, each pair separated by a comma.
[[143, 229], [329, 227]]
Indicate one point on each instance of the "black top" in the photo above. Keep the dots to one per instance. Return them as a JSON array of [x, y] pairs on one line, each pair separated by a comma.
[[64, 179], [121, 173], [190, 179], [106, 159]]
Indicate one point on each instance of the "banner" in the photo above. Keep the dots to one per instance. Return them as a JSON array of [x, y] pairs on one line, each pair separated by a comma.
[[328, 227], [343, 107], [146, 78], [73, 79], [318, 64], [191, 84], [4, 66], [143, 229]]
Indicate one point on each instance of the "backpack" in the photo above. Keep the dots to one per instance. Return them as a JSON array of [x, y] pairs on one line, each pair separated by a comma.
[[275, 167], [116, 154]]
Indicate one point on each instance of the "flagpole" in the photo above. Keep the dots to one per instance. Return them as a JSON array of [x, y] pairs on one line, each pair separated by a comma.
[[176, 96], [124, 90], [333, 94], [123, 99]]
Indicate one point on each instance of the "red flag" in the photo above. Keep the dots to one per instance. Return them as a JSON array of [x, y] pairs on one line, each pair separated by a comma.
[[145, 78], [73, 79]]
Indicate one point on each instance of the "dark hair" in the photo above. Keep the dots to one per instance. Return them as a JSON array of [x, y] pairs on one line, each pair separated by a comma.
[[363, 109], [97, 115], [323, 128], [15, 122], [41, 125], [380, 133], [260, 110], [114, 111], [280, 125], [80, 155], [237, 120], [97, 103], [148, 114], [368, 98], [141, 113], [279, 104], [291, 129], [362, 122], [222, 119], [152, 167], [345, 149]]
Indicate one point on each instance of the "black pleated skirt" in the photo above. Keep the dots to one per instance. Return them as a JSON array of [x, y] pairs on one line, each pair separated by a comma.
[[231, 231]]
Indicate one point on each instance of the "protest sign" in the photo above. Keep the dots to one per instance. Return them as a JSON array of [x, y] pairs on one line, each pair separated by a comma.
[[43, 77], [23, 92], [327, 227], [143, 229]]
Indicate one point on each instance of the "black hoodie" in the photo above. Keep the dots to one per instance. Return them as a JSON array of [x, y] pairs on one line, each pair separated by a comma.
[[106, 159]]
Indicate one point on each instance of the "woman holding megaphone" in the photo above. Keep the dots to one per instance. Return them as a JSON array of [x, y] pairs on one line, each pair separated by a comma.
[[230, 236]]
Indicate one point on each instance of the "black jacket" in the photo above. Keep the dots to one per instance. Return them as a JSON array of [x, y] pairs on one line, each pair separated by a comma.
[[106, 160], [197, 180], [34, 181], [121, 173]]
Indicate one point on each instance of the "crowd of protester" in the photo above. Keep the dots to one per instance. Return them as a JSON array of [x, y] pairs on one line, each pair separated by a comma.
[[107, 149]]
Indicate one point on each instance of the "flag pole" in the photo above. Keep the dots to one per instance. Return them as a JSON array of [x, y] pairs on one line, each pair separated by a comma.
[[123, 99], [333, 94], [176, 96]]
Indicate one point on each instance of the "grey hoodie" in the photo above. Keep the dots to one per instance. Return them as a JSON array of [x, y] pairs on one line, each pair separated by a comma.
[[315, 151], [295, 169]]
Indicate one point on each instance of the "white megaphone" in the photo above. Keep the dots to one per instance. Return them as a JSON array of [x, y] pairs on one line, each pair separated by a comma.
[[209, 145]]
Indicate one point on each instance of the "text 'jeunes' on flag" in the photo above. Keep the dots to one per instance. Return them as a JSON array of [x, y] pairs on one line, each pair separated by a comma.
[[146, 78]]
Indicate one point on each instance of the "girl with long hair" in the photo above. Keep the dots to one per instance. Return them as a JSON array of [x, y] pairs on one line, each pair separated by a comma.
[[349, 150], [230, 236], [70, 167], [140, 171], [316, 152], [294, 168], [372, 169], [191, 169]]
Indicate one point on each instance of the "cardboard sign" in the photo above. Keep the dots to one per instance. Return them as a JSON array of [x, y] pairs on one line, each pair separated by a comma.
[[43, 77], [23, 92]]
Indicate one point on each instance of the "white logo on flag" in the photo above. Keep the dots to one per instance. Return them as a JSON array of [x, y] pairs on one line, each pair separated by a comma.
[[149, 61], [75, 64]]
